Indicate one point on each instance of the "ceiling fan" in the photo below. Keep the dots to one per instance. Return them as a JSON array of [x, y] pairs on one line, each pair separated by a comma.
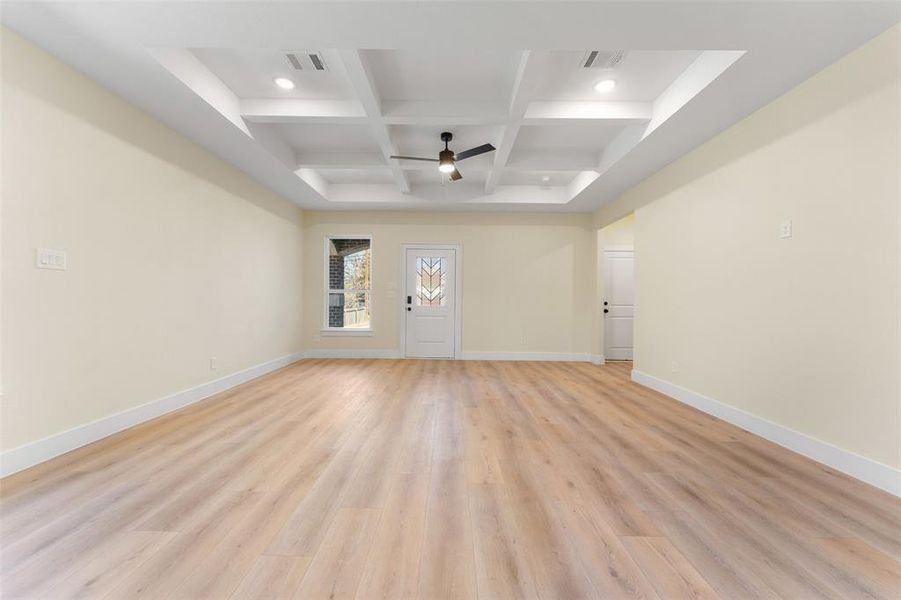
[[447, 158]]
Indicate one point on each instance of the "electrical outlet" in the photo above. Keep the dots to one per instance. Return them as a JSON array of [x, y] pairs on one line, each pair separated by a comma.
[[522, 341], [46, 258], [674, 367], [214, 364], [785, 229]]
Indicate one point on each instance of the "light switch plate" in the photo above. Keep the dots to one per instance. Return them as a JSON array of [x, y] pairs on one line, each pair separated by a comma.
[[45, 258], [785, 229]]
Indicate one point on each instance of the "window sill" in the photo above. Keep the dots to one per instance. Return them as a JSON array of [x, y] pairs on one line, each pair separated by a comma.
[[348, 332]]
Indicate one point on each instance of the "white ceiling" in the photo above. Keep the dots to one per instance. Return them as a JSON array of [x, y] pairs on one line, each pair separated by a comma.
[[320, 137], [459, 75], [594, 135], [641, 76], [249, 74], [400, 73]]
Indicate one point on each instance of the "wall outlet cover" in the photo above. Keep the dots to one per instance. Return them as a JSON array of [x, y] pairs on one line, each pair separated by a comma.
[[45, 258], [785, 229]]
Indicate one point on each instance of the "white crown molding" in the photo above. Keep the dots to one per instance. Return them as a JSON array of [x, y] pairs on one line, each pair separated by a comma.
[[28, 455], [859, 467]]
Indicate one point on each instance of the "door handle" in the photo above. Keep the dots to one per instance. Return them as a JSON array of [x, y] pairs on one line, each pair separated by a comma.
[[606, 310], [409, 299], [409, 309]]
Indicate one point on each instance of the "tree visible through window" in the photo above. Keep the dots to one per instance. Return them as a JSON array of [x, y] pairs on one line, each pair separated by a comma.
[[349, 264]]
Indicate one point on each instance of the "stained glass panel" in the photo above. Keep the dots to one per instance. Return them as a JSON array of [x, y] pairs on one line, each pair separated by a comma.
[[431, 281]]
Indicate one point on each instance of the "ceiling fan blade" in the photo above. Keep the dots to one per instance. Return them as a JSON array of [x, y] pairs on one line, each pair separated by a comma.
[[415, 158], [474, 151], [455, 175]]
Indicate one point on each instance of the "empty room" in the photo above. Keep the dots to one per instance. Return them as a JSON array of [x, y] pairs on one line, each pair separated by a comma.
[[450, 299]]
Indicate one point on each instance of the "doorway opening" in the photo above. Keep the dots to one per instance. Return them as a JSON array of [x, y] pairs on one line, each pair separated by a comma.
[[618, 295]]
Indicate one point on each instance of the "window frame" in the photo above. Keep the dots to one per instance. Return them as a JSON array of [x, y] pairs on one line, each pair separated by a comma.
[[343, 331]]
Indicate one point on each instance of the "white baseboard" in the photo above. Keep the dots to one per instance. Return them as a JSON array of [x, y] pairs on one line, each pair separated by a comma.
[[352, 353], [550, 356], [22, 457], [597, 359], [859, 467]]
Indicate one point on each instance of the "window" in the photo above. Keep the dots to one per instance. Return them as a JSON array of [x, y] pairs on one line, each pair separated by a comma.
[[348, 268]]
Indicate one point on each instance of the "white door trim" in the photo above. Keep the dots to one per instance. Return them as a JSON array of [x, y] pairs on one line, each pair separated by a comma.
[[458, 294]]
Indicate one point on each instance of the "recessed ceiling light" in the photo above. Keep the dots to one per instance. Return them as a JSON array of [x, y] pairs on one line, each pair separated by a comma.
[[284, 83], [604, 86], [545, 179]]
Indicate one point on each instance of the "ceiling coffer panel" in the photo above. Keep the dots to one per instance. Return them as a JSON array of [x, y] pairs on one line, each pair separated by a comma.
[[306, 60]]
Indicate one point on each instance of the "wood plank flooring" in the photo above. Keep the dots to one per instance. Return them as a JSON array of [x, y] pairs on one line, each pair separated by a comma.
[[441, 479]]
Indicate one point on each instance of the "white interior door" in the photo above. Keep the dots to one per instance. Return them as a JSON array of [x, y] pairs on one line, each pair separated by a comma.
[[619, 301], [429, 307]]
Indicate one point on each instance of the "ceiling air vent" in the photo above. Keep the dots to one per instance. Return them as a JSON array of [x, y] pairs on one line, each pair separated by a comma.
[[602, 59], [306, 60]]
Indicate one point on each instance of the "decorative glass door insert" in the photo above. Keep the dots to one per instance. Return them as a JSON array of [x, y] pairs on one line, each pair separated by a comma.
[[431, 281]]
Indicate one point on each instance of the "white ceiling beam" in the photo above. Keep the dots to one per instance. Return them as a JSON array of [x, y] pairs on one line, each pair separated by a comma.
[[707, 67], [315, 181], [443, 114], [460, 195], [544, 160], [580, 182], [184, 65], [302, 111], [539, 113], [553, 159], [341, 160], [361, 78], [532, 65]]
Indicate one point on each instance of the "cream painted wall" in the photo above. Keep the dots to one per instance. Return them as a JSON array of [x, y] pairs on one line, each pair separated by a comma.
[[174, 257], [801, 331], [618, 235], [527, 279]]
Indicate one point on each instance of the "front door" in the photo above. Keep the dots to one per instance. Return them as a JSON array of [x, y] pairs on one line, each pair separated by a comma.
[[429, 304]]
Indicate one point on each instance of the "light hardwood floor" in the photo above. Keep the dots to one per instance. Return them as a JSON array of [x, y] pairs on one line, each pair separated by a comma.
[[442, 479]]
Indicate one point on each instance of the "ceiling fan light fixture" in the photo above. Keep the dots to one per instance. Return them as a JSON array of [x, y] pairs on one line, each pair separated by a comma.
[[446, 161], [605, 85], [447, 158]]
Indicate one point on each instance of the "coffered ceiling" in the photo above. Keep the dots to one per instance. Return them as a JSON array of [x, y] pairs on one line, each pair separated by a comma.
[[388, 78]]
